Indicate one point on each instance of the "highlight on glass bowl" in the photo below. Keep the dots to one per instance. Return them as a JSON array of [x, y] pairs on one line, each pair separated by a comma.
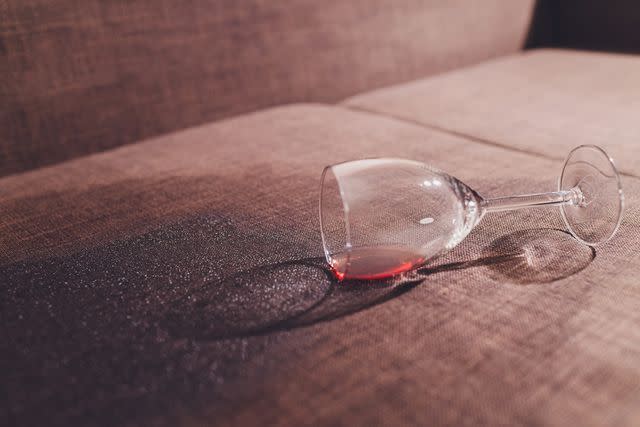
[[386, 216]]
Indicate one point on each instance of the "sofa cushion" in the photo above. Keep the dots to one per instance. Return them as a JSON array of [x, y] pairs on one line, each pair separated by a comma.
[[79, 76], [542, 101], [179, 281]]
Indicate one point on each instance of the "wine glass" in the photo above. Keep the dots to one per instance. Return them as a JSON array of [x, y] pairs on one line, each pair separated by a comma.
[[382, 217]]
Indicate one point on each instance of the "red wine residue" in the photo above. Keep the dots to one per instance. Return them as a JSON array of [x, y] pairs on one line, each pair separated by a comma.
[[371, 263]]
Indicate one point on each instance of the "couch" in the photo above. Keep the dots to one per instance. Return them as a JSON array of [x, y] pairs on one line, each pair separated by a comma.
[[160, 254]]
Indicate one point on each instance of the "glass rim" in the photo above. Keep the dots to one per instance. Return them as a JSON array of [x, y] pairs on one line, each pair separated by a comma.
[[345, 212]]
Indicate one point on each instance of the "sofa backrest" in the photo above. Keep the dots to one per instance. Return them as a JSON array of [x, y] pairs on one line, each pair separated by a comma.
[[80, 76]]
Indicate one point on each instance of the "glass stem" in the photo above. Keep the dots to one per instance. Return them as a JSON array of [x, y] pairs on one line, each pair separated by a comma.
[[573, 196]]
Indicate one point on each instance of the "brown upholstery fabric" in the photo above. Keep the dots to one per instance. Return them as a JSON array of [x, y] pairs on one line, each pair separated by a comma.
[[543, 101], [178, 282], [80, 76]]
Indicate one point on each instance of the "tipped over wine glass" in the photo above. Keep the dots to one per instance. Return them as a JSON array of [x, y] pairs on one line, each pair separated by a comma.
[[386, 216]]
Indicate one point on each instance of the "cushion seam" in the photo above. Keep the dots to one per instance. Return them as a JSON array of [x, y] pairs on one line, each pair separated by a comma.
[[469, 137]]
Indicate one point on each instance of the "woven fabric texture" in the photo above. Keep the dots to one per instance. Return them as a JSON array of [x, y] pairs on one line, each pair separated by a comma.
[[543, 101], [79, 76], [179, 281]]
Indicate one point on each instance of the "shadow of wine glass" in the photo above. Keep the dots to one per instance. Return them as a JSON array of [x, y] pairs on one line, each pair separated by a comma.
[[538, 256], [304, 292]]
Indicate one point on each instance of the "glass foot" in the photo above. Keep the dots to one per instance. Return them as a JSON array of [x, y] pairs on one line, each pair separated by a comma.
[[596, 215]]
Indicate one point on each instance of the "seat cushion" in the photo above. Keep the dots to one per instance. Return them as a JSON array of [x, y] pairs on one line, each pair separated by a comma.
[[542, 101], [180, 281]]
